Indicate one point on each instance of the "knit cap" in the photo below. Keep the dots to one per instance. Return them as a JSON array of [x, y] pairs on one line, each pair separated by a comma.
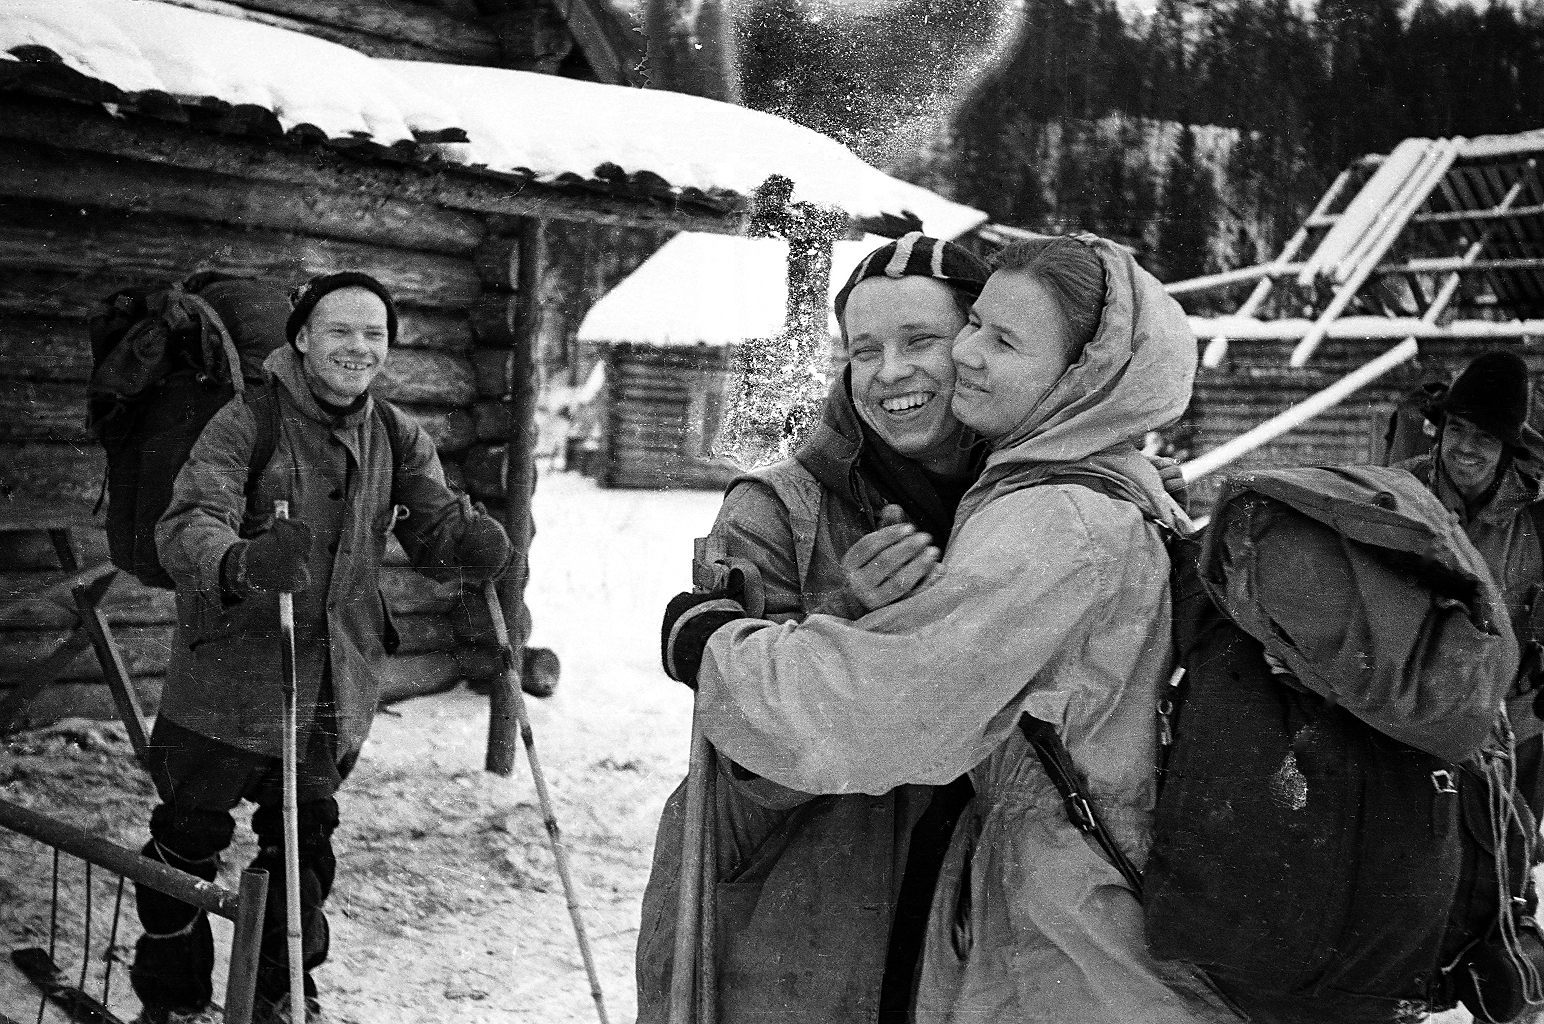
[[304, 299], [918, 255]]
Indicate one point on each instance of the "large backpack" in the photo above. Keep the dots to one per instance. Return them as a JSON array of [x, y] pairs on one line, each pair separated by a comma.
[[1316, 866], [165, 359]]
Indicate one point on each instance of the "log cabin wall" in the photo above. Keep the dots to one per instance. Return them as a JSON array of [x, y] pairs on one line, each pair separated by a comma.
[[1256, 383], [79, 224], [662, 411], [527, 35]]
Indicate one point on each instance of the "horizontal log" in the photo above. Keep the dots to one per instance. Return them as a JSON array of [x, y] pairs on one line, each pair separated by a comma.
[[421, 634], [127, 603], [77, 128], [61, 294], [451, 430], [495, 421], [493, 318], [50, 174], [426, 377], [418, 675], [45, 471], [84, 699], [483, 469], [145, 650], [397, 21], [427, 328], [409, 592], [80, 243], [42, 410], [468, 45], [45, 348], [494, 368]]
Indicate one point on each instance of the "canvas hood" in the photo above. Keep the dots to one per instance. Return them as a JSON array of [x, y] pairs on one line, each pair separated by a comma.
[[1134, 376]]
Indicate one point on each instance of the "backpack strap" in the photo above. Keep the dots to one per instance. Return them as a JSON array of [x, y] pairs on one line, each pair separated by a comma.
[[1063, 774], [396, 440], [264, 404]]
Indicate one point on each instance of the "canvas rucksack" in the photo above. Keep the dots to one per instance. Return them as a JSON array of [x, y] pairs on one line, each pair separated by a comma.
[[1316, 866]]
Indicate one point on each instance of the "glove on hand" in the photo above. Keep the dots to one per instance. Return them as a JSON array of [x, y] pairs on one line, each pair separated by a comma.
[[276, 561], [690, 619], [484, 552]]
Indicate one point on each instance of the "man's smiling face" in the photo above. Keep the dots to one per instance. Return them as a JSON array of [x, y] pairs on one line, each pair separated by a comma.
[[899, 333], [343, 345]]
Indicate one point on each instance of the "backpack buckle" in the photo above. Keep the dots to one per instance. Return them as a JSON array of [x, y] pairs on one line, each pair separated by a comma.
[[1443, 781]]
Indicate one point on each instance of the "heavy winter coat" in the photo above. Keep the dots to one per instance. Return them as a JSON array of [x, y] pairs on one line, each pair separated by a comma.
[[336, 474], [1053, 600], [807, 885]]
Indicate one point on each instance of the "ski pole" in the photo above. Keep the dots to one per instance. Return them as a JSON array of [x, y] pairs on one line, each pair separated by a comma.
[[294, 949], [510, 680]]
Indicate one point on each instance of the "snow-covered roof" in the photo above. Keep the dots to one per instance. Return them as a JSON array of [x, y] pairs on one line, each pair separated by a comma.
[[706, 289], [548, 128]]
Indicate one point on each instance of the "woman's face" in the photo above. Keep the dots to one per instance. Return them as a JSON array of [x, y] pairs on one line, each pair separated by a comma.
[[1014, 348]]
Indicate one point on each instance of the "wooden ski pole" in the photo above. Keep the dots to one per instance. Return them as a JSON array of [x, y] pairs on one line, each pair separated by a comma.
[[510, 680], [692, 961], [294, 945]]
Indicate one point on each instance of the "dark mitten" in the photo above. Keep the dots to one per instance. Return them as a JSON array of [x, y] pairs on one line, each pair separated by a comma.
[[484, 552], [690, 619], [276, 561]]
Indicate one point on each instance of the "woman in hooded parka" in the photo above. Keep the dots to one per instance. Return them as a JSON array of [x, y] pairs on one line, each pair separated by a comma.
[[1052, 599]]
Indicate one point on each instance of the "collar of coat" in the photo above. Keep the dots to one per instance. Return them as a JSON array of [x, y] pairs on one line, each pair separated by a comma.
[[283, 365]]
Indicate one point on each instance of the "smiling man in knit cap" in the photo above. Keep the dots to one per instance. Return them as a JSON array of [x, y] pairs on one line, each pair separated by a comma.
[[354, 471]]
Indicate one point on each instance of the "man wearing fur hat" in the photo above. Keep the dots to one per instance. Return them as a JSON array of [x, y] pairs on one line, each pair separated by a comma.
[[354, 471], [1483, 468]]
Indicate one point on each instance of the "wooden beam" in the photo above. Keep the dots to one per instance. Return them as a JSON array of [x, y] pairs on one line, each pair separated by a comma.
[[50, 173], [380, 28], [40, 410], [81, 128], [424, 377], [88, 599], [78, 243], [45, 349]]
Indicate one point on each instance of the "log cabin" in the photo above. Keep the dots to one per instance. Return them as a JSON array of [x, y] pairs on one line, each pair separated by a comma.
[[441, 146]]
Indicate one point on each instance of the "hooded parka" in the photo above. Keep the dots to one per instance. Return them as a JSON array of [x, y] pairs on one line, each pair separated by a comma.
[[807, 885], [1053, 600], [336, 473]]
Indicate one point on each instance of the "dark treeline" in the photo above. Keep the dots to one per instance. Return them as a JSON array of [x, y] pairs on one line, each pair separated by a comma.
[[1201, 132]]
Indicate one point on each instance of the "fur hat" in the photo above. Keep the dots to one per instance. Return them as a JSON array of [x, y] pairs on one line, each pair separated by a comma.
[[304, 299], [1492, 393], [917, 255]]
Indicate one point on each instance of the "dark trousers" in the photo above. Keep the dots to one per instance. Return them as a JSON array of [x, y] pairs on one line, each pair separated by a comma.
[[200, 781]]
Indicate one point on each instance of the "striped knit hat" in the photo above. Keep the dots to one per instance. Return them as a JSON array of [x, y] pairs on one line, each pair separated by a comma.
[[917, 255]]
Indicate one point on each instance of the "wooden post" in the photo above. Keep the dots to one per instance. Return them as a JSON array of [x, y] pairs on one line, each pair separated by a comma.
[[87, 601], [241, 982], [510, 317]]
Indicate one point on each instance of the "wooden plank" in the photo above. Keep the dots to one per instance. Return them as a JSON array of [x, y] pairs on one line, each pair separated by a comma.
[[391, 32], [69, 475], [45, 348], [44, 173], [409, 592], [421, 634], [418, 675], [32, 675], [451, 430], [434, 329], [80, 243], [426, 377], [145, 649], [42, 410], [75, 128], [76, 699]]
